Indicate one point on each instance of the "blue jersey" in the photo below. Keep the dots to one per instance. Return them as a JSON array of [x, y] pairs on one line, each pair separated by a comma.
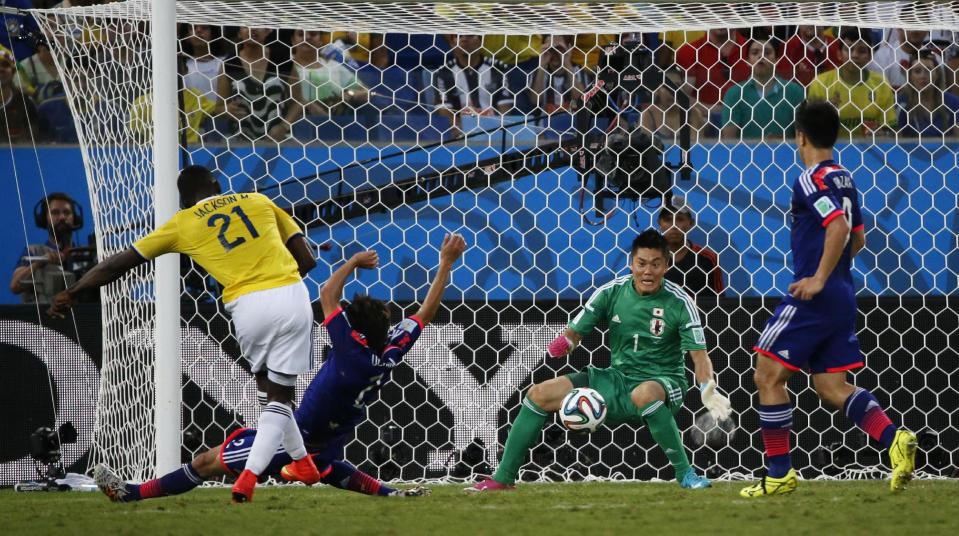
[[336, 400], [821, 194]]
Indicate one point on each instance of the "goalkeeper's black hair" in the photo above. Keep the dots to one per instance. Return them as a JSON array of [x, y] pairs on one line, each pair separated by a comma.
[[650, 239], [819, 121], [194, 183], [371, 317]]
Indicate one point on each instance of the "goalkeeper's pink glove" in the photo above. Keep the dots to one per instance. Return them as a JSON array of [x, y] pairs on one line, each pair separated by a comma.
[[560, 346]]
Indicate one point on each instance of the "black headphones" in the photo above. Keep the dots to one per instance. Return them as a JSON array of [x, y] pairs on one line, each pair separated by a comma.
[[40, 210]]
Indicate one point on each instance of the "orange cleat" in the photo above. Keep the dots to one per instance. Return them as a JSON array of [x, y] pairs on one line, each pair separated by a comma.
[[244, 486], [302, 470]]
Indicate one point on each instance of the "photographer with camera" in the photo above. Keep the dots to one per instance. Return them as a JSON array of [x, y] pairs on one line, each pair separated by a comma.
[[47, 268]]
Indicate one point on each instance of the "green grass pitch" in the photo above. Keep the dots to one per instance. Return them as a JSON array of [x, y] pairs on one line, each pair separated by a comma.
[[820, 508]]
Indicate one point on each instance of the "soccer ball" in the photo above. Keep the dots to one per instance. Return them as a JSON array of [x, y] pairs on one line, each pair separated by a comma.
[[583, 410], [716, 435]]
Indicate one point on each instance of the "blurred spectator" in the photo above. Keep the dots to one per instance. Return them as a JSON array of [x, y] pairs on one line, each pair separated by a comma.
[[694, 267], [40, 79], [354, 49], [19, 122], [196, 109], [673, 41], [262, 98], [809, 53], [763, 106], [925, 109], [341, 47], [16, 28], [892, 58], [665, 116], [554, 85], [779, 34], [587, 48], [38, 70], [471, 83], [712, 63], [515, 49], [521, 55], [47, 268], [203, 67], [326, 85], [865, 101]]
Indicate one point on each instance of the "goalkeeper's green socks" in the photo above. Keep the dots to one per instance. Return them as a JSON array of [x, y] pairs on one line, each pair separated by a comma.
[[522, 436], [663, 428]]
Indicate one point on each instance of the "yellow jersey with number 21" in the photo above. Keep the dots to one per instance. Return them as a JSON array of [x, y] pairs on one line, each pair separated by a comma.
[[240, 239]]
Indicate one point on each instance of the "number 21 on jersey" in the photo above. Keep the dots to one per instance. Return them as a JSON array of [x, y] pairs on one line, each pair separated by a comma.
[[223, 221]]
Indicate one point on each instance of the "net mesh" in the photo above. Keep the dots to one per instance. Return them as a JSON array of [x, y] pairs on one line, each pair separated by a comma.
[[549, 154]]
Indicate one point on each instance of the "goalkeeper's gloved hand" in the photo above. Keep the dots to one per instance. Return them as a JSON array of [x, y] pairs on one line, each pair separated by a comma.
[[717, 404], [560, 346]]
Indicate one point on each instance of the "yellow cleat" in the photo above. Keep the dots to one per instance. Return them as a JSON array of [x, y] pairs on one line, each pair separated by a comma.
[[771, 486], [902, 458]]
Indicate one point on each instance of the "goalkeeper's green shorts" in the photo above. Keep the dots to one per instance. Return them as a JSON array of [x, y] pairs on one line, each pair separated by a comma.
[[616, 389]]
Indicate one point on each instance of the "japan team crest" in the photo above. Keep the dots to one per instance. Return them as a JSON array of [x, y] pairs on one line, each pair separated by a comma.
[[657, 326]]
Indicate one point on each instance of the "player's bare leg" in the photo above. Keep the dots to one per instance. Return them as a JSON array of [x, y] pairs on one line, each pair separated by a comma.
[[203, 467], [775, 419], [650, 398], [541, 400], [862, 408]]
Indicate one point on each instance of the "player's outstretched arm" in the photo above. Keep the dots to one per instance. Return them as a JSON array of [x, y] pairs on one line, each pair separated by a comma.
[[837, 232], [302, 253], [717, 404], [451, 250], [332, 290], [564, 343], [105, 272]]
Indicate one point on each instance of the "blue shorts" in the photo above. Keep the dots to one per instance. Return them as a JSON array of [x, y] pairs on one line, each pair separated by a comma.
[[236, 448], [800, 337]]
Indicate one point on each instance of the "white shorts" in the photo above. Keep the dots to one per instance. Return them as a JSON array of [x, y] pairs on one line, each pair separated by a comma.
[[274, 328]]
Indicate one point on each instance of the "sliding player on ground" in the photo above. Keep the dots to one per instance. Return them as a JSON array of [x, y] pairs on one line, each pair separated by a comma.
[[259, 255], [364, 354]]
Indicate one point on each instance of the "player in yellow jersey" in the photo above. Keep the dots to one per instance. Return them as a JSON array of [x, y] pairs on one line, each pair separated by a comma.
[[259, 255]]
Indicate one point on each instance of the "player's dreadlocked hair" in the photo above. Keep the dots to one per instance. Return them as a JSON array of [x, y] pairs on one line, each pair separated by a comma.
[[650, 239], [370, 317]]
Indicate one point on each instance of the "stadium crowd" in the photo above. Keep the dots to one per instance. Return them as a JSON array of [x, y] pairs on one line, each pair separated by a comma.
[[261, 84]]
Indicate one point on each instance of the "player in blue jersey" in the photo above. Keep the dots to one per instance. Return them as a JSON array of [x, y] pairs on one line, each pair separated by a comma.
[[364, 353], [814, 328]]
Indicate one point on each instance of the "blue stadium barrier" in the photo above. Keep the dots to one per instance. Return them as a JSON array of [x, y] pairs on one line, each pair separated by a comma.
[[526, 235]]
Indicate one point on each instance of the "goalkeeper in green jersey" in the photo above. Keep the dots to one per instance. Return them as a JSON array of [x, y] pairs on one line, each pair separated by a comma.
[[652, 324]]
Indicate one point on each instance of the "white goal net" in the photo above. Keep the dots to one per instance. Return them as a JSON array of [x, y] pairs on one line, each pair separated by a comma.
[[550, 136]]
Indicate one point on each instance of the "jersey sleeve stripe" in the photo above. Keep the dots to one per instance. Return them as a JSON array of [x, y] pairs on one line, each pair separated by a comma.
[[835, 214], [687, 301], [806, 184], [860, 227], [329, 318], [690, 307], [416, 319]]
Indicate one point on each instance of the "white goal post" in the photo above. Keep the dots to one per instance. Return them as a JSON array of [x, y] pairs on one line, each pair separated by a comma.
[[383, 161]]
